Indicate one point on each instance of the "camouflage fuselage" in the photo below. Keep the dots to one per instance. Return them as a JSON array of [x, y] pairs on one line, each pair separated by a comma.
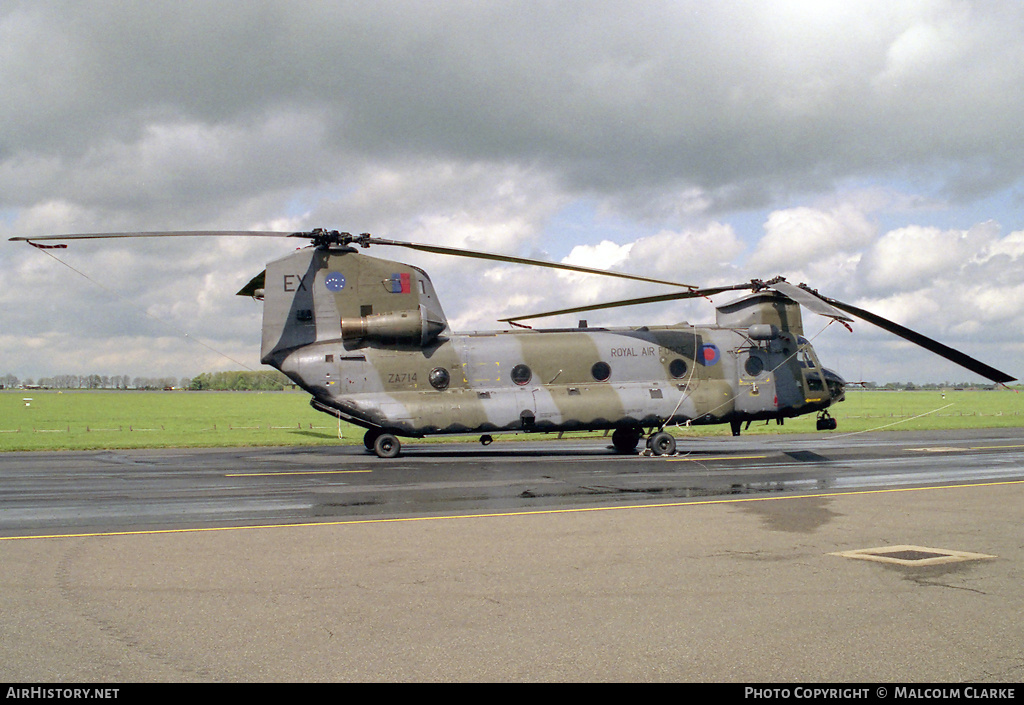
[[368, 339], [558, 381]]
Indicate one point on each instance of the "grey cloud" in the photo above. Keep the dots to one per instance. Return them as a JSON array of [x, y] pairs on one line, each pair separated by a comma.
[[651, 97]]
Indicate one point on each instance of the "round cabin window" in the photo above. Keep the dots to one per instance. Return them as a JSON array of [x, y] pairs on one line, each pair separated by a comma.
[[521, 375], [677, 368], [601, 371], [439, 378]]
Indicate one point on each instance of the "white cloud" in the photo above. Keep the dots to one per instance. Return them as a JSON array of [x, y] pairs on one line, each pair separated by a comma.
[[916, 256], [604, 255], [1011, 246], [798, 237]]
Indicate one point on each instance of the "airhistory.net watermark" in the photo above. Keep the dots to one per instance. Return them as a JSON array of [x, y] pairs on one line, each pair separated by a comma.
[[49, 693]]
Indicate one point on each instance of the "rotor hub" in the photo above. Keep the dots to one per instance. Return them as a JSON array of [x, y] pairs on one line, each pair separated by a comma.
[[322, 237]]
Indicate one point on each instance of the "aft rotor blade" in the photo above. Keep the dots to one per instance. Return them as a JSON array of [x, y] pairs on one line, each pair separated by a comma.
[[695, 293], [475, 254], [332, 238], [940, 349]]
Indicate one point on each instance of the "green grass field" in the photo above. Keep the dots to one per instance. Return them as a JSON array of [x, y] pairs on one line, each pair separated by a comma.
[[81, 420]]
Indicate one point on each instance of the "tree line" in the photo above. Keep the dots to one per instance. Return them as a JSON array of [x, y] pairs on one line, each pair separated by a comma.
[[93, 381], [242, 381], [222, 381]]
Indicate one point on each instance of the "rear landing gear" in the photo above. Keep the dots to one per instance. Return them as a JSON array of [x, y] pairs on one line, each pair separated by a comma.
[[387, 446], [383, 444], [625, 439]]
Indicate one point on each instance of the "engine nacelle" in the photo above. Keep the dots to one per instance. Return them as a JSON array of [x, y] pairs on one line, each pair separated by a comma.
[[759, 309], [393, 326]]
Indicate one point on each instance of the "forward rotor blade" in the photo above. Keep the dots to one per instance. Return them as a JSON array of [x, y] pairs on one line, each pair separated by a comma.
[[475, 254], [812, 302], [695, 293], [940, 349], [168, 233]]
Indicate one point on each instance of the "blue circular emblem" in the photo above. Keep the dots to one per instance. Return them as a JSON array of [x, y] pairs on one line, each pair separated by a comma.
[[335, 281], [709, 354]]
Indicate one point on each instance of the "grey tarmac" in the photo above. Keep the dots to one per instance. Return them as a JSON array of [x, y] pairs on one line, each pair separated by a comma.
[[738, 584]]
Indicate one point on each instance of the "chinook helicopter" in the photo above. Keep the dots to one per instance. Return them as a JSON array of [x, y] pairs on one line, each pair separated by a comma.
[[368, 339]]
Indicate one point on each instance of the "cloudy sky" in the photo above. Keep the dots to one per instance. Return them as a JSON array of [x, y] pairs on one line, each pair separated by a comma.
[[871, 149]]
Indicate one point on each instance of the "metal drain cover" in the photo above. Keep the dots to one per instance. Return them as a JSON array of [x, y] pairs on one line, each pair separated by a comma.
[[911, 555]]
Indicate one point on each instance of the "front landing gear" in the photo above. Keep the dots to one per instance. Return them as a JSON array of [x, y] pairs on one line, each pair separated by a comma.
[[662, 443], [826, 422]]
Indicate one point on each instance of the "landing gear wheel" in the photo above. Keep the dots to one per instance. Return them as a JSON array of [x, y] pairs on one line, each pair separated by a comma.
[[662, 443], [625, 439], [387, 446], [370, 438], [826, 422]]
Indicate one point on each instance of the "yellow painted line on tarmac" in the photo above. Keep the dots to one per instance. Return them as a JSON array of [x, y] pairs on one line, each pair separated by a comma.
[[296, 472], [938, 449], [720, 457], [957, 449], [535, 512]]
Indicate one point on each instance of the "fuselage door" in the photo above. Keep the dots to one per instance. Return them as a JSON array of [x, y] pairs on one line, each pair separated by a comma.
[[755, 381], [815, 387]]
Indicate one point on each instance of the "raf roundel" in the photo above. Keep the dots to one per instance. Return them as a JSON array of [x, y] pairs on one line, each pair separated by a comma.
[[709, 354], [335, 281]]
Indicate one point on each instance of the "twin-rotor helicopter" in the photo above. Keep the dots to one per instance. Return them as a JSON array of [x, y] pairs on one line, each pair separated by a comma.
[[368, 340]]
